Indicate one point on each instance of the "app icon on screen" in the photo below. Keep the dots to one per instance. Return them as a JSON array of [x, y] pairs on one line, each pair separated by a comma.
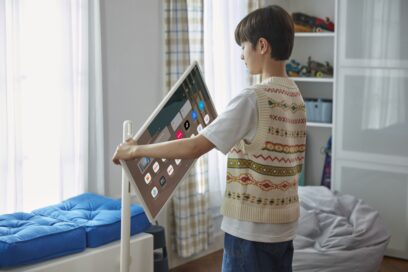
[[206, 119], [154, 192], [156, 167], [162, 181], [199, 128], [170, 170], [176, 121], [179, 134], [201, 105], [148, 178], [186, 125], [194, 115], [143, 163]]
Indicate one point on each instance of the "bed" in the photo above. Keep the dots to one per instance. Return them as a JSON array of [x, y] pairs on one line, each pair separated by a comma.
[[102, 259], [78, 234], [337, 233]]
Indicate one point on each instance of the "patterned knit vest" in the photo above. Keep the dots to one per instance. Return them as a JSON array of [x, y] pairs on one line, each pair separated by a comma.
[[262, 177]]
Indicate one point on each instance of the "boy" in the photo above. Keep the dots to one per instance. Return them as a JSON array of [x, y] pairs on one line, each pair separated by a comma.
[[263, 132]]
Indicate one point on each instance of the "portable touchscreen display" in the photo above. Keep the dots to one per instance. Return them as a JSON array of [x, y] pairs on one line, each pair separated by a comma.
[[183, 113]]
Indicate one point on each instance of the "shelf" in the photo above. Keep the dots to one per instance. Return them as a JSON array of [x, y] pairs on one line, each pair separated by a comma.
[[312, 79], [314, 34], [321, 125]]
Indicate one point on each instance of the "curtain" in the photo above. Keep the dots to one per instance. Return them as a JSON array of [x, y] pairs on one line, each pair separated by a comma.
[[95, 148], [384, 97], [190, 206], [50, 102], [226, 76]]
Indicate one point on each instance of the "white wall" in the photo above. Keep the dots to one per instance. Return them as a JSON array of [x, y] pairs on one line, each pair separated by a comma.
[[132, 71], [132, 54]]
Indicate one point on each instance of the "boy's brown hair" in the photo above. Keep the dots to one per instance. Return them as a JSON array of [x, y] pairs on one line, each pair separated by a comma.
[[272, 23]]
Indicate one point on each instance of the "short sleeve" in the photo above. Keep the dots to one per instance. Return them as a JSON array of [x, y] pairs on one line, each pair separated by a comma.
[[238, 122]]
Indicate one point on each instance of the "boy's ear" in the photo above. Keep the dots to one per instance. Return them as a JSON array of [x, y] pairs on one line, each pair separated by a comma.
[[263, 45]]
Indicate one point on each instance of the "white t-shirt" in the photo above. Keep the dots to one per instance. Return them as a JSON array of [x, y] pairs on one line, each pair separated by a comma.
[[239, 121]]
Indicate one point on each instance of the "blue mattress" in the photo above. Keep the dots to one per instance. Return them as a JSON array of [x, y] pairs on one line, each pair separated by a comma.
[[87, 220], [27, 238], [99, 215]]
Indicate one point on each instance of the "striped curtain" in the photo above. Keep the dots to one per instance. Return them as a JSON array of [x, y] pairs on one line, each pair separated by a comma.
[[183, 44]]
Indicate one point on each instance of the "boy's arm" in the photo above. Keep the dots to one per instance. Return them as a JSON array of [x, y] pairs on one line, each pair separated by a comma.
[[189, 148]]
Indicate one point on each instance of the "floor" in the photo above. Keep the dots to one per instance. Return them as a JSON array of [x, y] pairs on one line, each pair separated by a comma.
[[212, 262]]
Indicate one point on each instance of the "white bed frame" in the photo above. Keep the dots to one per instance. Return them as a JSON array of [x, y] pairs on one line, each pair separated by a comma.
[[101, 259]]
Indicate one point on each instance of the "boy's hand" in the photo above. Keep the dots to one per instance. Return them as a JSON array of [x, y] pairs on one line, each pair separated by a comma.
[[131, 141], [125, 151], [188, 148]]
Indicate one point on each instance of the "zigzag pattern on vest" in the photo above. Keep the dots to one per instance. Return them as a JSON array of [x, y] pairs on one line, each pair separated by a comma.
[[265, 185]]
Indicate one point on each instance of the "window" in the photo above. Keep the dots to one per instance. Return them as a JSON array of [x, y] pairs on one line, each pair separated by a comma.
[[43, 102]]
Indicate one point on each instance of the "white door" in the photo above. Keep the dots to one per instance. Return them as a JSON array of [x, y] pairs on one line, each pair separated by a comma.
[[371, 133]]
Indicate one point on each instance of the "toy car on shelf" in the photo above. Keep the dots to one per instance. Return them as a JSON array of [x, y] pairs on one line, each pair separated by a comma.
[[294, 69], [312, 69], [318, 69], [302, 28], [307, 23]]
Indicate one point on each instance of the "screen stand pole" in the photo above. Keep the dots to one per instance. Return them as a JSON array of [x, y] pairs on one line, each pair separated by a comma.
[[125, 213]]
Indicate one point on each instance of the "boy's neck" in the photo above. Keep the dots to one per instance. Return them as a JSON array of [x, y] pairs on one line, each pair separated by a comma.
[[274, 68]]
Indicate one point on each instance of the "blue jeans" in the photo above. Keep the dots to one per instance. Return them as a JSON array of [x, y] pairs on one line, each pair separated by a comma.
[[247, 256]]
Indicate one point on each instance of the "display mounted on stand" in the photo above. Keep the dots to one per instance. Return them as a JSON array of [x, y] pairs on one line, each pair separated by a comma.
[[183, 113]]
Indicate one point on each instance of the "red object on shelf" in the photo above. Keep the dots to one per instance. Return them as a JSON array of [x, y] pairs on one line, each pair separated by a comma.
[[317, 24]]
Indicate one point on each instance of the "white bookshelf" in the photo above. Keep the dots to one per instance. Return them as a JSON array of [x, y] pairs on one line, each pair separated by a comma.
[[319, 125], [312, 79], [320, 46], [314, 34]]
